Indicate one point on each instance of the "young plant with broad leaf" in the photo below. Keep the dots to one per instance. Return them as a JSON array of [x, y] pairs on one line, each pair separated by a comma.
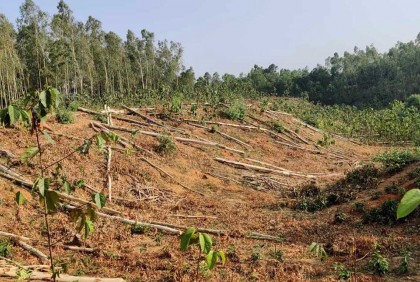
[[204, 245]]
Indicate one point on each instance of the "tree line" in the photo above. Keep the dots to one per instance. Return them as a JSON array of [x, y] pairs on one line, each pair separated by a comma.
[[85, 62]]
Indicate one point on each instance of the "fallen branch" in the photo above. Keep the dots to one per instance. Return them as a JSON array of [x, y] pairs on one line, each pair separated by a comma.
[[115, 116], [13, 236], [142, 116], [31, 250], [79, 249], [210, 231], [262, 169], [259, 236], [12, 272], [193, 216], [158, 226], [179, 139]]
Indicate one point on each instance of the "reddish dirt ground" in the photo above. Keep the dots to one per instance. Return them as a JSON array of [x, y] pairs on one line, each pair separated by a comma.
[[235, 200]]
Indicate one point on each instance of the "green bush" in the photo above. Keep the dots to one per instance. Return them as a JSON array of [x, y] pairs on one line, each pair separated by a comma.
[[236, 111], [277, 126], [5, 249], [65, 117], [413, 101], [379, 264], [73, 106], [395, 161], [176, 104], [386, 214], [166, 144]]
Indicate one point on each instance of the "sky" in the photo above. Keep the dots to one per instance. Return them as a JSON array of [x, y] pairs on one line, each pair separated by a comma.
[[231, 36]]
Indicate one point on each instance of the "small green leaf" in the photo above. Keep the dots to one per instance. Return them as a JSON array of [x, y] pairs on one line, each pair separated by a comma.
[[53, 200], [99, 199], [409, 203], [20, 199], [26, 117], [79, 183], [113, 136], [43, 185], [205, 242], [14, 114], [67, 187], [312, 246], [134, 133], [222, 257], [29, 154], [186, 237], [48, 137], [100, 141], [84, 149], [212, 258], [88, 227], [43, 98]]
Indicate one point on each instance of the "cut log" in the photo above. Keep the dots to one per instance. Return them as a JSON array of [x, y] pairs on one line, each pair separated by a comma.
[[262, 169], [164, 228], [32, 250], [13, 236], [10, 271], [115, 116], [134, 112], [179, 139], [206, 230], [79, 249], [236, 140], [193, 216]]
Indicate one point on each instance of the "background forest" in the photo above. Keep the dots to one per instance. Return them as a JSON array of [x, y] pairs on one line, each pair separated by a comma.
[[87, 63]]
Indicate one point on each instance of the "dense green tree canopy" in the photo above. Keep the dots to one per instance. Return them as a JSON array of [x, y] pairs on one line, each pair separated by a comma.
[[84, 61]]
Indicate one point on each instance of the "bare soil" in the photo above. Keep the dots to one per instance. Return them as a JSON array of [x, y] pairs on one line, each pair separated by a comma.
[[235, 200]]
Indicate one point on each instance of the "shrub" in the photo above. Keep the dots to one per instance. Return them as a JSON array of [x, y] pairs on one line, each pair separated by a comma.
[[236, 111], [65, 117], [414, 101], [393, 189], [379, 264], [277, 254], [101, 118], [395, 161], [386, 214], [277, 126], [73, 106], [166, 144], [343, 273], [176, 104], [5, 249]]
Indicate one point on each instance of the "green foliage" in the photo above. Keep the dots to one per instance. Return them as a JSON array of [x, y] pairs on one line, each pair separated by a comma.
[[193, 109], [277, 126], [277, 254], [166, 144], [413, 101], [23, 274], [404, 266], [378, 264], [409, 203], [386, 214], [326, 141], [318, 250], [5, 248], [73, 106], [393, 189], [20, 199], [140, 229], [204, 242], [12, 115], [343, 273], [65, 117], [255, 256], [176, 104], [394, 161], [236, 111], [359, 207], [101, 118]]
